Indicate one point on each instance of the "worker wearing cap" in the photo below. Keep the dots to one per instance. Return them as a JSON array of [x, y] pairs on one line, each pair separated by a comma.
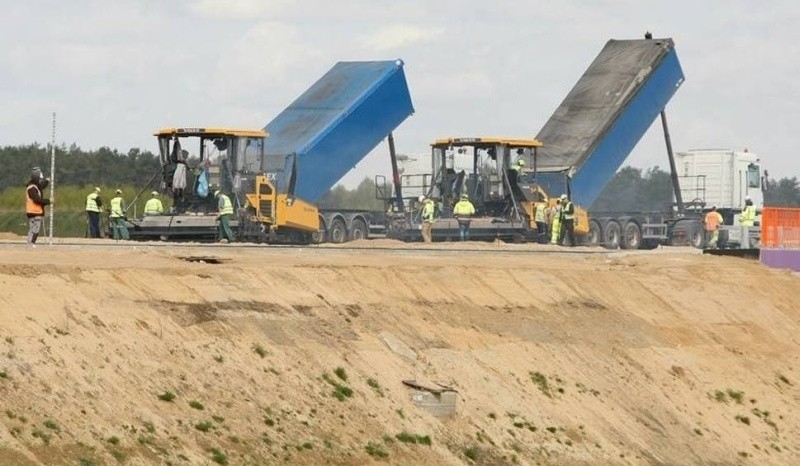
[[34, 204], [153, 205], [518, 165], [712, 223], [568, 221], [463, 211], [93, 205], [428, 216], [117, 215], [225, 212], [747, 219]]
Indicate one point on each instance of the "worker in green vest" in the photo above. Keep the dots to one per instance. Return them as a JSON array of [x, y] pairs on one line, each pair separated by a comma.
[[153, 206], [93, 205], [225, 212], [118, 228]]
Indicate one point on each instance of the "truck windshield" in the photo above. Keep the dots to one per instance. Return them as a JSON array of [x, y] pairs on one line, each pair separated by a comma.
[[753, 176]]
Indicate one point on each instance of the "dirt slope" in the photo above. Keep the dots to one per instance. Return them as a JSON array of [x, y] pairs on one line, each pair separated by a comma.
[[652, 358]]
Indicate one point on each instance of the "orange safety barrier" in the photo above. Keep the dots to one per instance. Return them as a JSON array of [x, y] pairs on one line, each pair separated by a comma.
[[780, 228]]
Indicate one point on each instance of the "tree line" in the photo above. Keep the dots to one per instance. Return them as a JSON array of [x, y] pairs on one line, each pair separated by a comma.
[[631, 189], [76, 167]]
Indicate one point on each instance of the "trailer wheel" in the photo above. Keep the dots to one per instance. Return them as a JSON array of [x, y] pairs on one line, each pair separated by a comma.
[[338, 232], [611, 233], [358, 230], [631, 236], [318, 237], [595, 235]]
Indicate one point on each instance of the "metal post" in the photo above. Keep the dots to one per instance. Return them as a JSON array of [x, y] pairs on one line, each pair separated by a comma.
[[673, 170], [398, 189], [52, 178]]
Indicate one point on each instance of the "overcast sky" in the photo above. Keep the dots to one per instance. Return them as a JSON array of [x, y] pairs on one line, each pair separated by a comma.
[[115, 71]]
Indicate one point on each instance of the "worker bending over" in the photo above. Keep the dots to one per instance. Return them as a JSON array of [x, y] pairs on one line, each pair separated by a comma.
[[463, 211], [117, 215], [225, 212]]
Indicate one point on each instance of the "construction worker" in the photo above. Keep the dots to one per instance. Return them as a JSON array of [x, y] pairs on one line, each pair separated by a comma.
[[463, 211], [540, 217], [153, 205], [712, 223], [747, 219], [225, 212], [428, 215], [568, 221], [117, 216], [34, 204], [555, 223], [93, 205], [518, 165]]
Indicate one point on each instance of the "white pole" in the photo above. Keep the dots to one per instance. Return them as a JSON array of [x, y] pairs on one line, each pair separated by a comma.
[[52, 177]]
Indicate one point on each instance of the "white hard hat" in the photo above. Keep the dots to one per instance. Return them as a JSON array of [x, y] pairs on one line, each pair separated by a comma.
[[747, 198], [563, 197], [421, 198], [154, 193]]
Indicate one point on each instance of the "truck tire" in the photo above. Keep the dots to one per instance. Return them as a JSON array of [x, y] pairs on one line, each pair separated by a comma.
[[611, 234], [318, 237], [358, 230], [338, 232], [631, 237], [696, 235], [595, 235]]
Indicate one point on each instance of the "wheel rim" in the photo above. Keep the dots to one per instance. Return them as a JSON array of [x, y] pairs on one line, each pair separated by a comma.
[[337, 232], [632, 236], [594, 234], [359, 230]]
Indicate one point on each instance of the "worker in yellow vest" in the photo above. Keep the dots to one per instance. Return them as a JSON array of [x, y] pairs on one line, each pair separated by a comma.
[[568, 220], [93, 205], [428, 213], [555, 223], [153, 206], [540, 217], [747, 219], [225, 212], [117, 216], [463, 211]]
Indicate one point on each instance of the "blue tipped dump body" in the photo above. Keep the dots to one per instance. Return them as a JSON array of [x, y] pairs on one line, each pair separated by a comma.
[[600, 121], [335, 124]]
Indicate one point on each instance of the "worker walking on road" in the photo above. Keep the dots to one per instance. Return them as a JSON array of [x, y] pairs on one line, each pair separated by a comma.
[[93, 205], [225, 209], [747, 219], [153, 205], [568, 221], [463, 211], [712, 223], [34, 204], [118, 228], [428, 216], [555, 223]]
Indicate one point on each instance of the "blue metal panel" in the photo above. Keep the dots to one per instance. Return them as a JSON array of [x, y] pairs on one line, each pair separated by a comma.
[[335, 124], [627, 130]]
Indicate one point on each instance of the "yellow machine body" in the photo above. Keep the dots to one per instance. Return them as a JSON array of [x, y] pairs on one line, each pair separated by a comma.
[[280, 210]]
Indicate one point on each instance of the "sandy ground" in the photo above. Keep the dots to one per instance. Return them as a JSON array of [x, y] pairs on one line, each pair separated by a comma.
[[559, 357]]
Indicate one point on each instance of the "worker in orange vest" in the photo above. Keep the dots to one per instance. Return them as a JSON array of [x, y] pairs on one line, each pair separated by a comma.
[[34, 204], [712, 223]]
